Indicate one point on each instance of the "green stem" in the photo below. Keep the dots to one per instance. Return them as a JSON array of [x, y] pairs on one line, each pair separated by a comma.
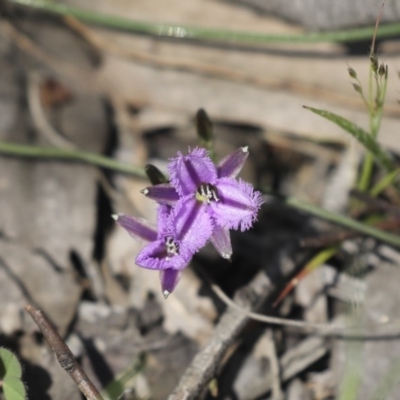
[[189, 32], [387, 180], [368, 163], [344, 221], [9, 149], [375, 119], [17, 150]]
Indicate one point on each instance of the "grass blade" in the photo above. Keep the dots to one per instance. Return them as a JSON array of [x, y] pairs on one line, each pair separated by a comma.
[[386, 181], [347, 222], [179, 31], [51, 153], [363, 137]]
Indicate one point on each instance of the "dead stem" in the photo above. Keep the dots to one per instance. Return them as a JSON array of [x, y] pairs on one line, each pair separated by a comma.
[[63, 354]]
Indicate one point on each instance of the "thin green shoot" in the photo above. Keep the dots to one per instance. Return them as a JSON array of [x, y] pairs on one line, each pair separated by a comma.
[[363, 137], [51, 153], [185, 32], [375, 108], [386, 181], [117, 387]]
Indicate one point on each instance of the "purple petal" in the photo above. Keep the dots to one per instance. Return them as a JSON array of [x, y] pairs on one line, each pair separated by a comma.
[[169, 279], [231, 165], [193, 225], [188, 172], [136, 227], [154, 256], [221, 240], [238, 204], [163, 221], [163, 193]]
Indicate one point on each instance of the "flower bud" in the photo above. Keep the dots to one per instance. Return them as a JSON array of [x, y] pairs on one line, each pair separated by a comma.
[[155, 175], [204, 126], [352, 72]]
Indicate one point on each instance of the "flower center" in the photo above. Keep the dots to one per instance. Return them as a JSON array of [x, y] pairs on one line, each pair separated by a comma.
[[207, 193], [171, 246]]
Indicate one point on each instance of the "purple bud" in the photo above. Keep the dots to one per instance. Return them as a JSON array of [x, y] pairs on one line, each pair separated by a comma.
[[163, 193], [169, 279]]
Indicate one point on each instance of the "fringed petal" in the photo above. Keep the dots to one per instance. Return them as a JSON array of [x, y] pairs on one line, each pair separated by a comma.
[[221, 240], [136, 227], [164, 221], [163, 193], [231, 165], [237, 206], [155, 256], [188, 172], [192, 223]]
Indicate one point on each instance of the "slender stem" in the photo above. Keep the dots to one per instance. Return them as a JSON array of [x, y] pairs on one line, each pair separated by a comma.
[[10, 149], [387, 180], [369, 158], [17, 150], [375, 109], [345, 221], [381, 101], [189, 32]]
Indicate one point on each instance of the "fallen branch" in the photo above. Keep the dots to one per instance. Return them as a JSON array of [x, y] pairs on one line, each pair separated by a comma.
[[63, 354]]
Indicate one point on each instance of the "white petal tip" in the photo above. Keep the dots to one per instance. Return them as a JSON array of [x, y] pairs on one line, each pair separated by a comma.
[[115, 217], [245, 149], [166, 294], [227, 256], [145, 191]]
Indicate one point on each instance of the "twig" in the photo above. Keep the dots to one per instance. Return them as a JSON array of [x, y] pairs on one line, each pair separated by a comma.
[[327, 330], [274, 367], [63, 354], [295, 360], [205, 364]]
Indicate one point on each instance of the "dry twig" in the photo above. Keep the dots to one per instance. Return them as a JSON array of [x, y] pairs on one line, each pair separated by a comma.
[[63, 354], [205, 365], [277, 393], [359, 332]]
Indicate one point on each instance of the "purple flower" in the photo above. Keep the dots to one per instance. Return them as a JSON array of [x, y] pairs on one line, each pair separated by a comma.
[[172, 246], [208, 192]]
